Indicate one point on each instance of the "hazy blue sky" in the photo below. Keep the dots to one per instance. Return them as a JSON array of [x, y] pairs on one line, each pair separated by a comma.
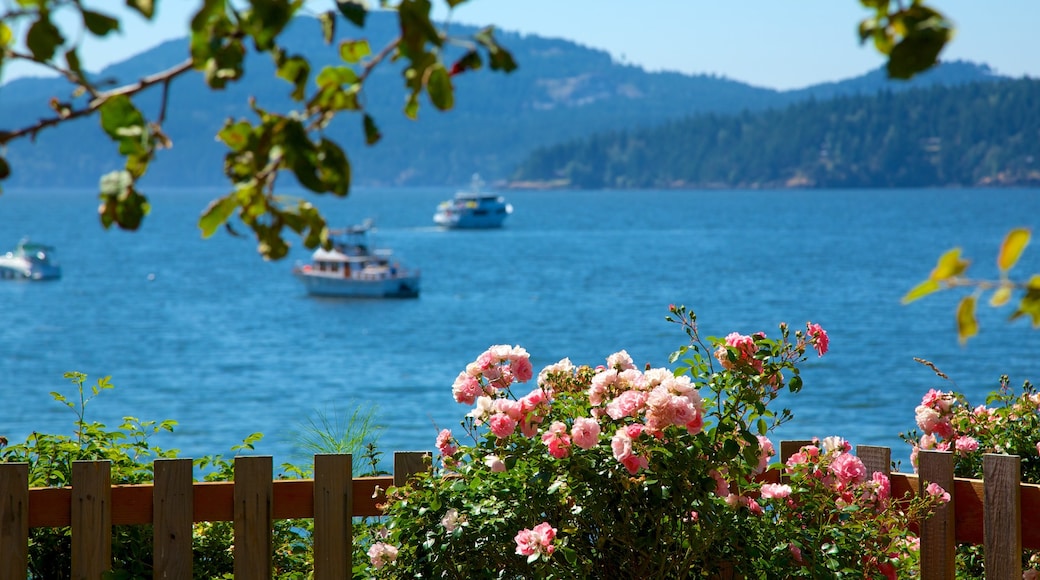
[[769, 43]]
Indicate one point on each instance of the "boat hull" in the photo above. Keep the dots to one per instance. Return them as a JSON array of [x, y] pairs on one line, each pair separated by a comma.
[[26, 271], [468, 220], [340, 287]]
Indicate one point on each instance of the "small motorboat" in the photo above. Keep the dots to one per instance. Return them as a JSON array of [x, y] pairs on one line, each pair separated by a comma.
[[473, 209], [29, 261], [351, 268]]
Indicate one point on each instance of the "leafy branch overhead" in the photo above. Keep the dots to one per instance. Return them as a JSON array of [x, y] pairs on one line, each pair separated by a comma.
[[951, 272], [222, 34], [910, 36]]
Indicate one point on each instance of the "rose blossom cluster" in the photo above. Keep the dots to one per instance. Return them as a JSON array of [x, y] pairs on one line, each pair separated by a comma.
[[832, 464], [742, 348], [537, 541], [939, 416]]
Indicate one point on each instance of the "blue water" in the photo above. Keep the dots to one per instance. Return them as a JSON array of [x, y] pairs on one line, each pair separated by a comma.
[[206, 333]]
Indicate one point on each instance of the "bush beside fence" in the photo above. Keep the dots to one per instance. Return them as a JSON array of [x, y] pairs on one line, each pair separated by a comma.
[[998, 512]]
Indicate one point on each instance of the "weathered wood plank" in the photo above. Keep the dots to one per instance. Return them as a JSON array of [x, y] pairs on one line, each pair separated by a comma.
[[938, 531], [875, 458], [1003, 528], [91, 519], [172, 505], [333, 508], [254, 512], [408, 463], [14, 519]]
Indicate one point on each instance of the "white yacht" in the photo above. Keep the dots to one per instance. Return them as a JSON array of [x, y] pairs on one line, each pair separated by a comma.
[[29, 261], [353, 269], [473, 209]]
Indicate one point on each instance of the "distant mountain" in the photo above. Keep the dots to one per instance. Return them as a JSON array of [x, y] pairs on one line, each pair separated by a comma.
[[964, 135], [561, 92]]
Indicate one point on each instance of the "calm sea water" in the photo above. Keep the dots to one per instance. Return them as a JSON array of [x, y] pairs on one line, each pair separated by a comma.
[[206, 333]]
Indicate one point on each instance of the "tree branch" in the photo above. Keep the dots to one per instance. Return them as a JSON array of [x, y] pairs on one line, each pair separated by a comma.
[[163, 77]]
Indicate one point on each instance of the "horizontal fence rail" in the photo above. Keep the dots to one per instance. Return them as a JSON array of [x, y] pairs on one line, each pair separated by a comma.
[[998, 512]]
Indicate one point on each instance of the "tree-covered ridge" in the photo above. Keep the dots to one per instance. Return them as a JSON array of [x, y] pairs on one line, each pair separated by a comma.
[[976, 134]]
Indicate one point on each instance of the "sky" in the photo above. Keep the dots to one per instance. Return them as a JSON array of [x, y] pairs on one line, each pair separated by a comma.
[[766, 43]]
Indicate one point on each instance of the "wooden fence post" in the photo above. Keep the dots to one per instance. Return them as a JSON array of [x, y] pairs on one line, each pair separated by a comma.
[[254, 516], [173, 509], [14, 520], [91, 519], [1002, 476], [875, 458], [408, 463], [333, 517], [938, 532]]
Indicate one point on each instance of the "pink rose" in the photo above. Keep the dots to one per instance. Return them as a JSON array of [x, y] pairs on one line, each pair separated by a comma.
[[620, 361], [627, 404], [775, 491], [936, 490], [381, 554], [495, 463], [557, 440], [819, 338], [585, 432], [536, 541], [502, 425], [966, 444], [522, 369], [445, 444], [466, 389], [848, 469]]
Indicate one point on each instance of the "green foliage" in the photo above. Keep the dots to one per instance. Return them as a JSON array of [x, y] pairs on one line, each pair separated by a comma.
[[911, 36], [1008, 423], [951, 272], [616, 472], [297, 141], [131, 452], [970, 135]]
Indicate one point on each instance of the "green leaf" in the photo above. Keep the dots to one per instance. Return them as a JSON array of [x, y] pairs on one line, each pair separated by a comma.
[[217, 214], [295, 69], [327, 20], [1030, 303], [927, 33], [236, 136], [950, 265], [99, 24], [336, 76], [353, 51], [967, 325], [334, 168], [145, 8], [43, 39], [6, 37], [1011, 249], [442, 95], [353, 10], [923, 289], [1001, 295], [411, 107], [121, 204], [500, 58], [372, 134]]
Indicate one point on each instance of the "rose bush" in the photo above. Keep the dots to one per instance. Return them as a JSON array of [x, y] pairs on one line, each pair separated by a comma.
[[1009, 422], [616, 471]]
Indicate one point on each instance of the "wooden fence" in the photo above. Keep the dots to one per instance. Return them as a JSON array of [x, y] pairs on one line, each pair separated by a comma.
[[997, 512]]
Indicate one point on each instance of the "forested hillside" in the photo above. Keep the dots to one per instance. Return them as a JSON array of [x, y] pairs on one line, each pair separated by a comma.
[[977, 134], [561, 91]]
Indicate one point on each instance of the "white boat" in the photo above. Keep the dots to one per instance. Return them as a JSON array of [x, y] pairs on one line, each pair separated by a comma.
[[29, 261], [473, 209], [351, 268]]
